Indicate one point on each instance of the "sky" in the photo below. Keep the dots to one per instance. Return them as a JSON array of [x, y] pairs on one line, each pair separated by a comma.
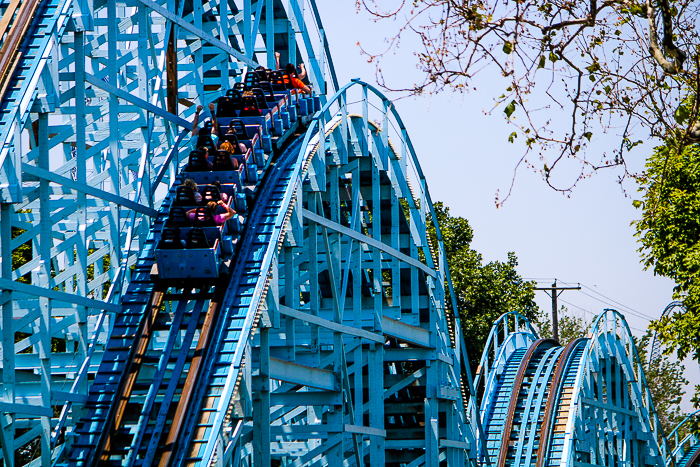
[[584, 237]]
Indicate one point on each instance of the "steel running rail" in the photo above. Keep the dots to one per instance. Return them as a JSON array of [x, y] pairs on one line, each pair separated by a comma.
[[556, 388], [204, 429], [547, 406], [610, 336], [128, 328], [534, 355]]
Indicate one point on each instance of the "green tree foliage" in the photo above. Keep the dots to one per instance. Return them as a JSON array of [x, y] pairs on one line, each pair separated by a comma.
[[619, 67], [22, 254], [483, 292], [669, 234], [665, 380]]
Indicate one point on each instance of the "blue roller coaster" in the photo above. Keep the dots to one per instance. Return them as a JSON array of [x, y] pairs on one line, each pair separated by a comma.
[[275, 301]]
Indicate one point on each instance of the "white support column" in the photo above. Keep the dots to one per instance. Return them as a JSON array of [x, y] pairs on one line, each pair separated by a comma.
[[114, 163], [376, 403], [247, 28], [290, 300], [270, 33], [223, 28]]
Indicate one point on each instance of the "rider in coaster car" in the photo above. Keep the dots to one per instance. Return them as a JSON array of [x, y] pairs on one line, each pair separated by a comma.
[[197, 195], [219, 219], [195, 125], [296, 82], [227, 146], [224, 196], [302, 70], [205, 150]]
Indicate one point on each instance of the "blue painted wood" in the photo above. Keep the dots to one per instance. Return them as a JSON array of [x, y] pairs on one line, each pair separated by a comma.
[[600, 388], [121, 147]]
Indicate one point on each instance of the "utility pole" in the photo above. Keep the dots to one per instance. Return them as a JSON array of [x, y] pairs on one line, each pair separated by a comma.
[[555, 292]]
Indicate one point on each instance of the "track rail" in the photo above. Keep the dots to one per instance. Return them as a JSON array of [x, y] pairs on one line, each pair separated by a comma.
[[564, 402], [532, 356], [31, 31], [10, 51], [552, 398]]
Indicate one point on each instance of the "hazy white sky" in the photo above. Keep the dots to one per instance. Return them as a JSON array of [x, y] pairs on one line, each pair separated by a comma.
[[585, 238]]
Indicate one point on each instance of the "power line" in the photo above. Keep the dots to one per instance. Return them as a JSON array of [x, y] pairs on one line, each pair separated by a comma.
[[595, 315], [610, 302], [628, 310], [618, 303], [555, 292]]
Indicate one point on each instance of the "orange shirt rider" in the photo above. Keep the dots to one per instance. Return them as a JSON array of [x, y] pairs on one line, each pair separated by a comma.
[[296, 82]]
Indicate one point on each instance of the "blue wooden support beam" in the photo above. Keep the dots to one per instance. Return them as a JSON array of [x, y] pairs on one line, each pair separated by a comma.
[[307, 398], [7, 284], [406, 332], [368, 240], [140, 103], [332, 325], [198, 32], [303, 375], [88, 190], [25, 409]]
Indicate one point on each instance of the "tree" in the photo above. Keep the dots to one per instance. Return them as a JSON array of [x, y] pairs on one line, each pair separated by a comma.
[[665, 381], [483, 292], [664, 377], [614, 66], [669, 234]]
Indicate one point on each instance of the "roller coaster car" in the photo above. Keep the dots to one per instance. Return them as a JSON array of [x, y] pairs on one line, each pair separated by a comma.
[[280, 81], [212, 193], [198, 162], [198, 250], [250, 135], [243, 131], [184, 196], [201, 258], [223, 161], [261, 100], [232, 138], [206, 141], [197, 169], [252, 79], [250, 107], [269, 93]]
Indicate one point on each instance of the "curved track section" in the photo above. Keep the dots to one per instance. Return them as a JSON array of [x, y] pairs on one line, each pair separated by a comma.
[[583, 404]]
